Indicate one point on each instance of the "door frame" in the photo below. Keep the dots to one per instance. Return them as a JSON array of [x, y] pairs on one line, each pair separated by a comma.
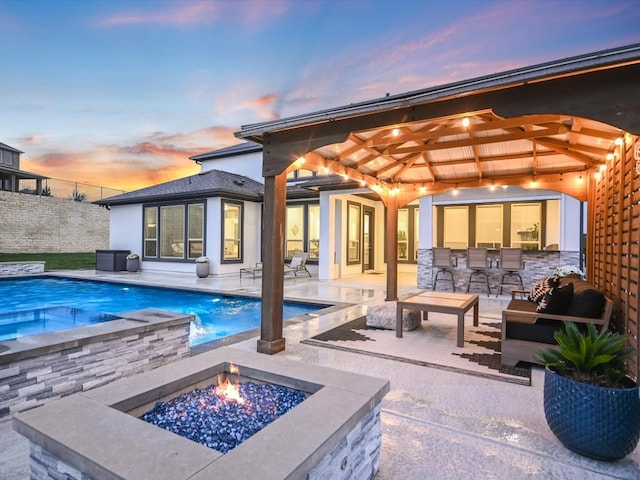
[[370, 213]]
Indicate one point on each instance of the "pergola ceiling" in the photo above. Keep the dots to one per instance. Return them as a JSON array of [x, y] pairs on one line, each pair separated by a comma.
[[469, 150]]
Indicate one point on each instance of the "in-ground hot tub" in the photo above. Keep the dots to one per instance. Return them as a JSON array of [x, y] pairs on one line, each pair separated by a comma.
[[334, 433]]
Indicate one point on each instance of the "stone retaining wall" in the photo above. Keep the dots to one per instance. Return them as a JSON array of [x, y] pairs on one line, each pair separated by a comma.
[[21, 268], [30, 378], [34, 224]]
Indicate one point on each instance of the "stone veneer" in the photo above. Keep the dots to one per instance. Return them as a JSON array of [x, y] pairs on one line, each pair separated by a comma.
[[21, 268], [40, 368], [334, 434], [537, 264]]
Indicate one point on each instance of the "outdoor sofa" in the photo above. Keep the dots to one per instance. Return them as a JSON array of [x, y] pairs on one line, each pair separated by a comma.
[[525, 329]]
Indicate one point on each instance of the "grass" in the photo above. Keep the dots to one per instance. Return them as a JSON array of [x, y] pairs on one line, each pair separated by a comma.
[[55, 261]]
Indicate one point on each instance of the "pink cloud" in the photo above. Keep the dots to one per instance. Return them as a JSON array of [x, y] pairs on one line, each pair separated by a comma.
[[201, 12]]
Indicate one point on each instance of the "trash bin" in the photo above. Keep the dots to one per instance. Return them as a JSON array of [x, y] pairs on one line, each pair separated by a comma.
[[112, 260]]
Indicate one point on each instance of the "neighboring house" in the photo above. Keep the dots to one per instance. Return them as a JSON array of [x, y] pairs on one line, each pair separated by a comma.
[[12, 179], [218, 213]]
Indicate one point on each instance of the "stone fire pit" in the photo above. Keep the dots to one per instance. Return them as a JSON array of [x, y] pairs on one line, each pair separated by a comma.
[[334, 433]]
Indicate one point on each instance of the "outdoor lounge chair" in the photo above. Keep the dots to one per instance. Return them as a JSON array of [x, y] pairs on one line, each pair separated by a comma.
[[297, 264]]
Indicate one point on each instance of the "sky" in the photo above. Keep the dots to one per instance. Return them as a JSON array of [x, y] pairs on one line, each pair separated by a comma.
[[120, 93]]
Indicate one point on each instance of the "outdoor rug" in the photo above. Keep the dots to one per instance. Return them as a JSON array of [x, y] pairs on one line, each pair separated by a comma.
[[433, 344]]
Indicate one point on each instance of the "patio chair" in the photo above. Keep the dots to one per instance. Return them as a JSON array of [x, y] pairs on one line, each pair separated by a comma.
[[511, 263], [443, 261], [297, 264], [478, 262]]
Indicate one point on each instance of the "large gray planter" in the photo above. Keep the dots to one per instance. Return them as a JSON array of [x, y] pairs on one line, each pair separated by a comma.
[[133, 265], [202, 270]]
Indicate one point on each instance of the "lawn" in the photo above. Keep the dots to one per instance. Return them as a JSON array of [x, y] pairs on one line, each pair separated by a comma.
[[55, 261]]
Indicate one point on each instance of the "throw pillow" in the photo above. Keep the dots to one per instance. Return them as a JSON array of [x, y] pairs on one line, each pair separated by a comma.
[[541, 288], [557, 301]]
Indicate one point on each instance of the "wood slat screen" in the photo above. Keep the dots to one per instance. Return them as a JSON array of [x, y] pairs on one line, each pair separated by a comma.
[[614, 240]]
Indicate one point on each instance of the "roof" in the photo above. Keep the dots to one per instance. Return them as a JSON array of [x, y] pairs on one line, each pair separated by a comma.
[[543, 125], [4, 146], [239, 149], [212, 183]]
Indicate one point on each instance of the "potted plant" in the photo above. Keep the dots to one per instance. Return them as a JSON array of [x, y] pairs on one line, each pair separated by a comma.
[[133, 262], [202, 267], [590, 402]]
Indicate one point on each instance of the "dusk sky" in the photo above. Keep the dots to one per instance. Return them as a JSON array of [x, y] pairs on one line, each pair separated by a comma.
[[120, 93]]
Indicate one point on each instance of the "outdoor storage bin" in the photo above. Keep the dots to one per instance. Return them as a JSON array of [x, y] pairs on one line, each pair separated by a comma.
[[112, 260]]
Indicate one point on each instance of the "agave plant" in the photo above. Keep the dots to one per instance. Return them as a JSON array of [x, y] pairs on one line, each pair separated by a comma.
[[594, 358]]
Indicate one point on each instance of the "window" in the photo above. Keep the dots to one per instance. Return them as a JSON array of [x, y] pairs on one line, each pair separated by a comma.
[[232, 219], [195, 238], [300, 174], [525, 225], [167, 229], [294, 241], [302, 230], [408, 223], [456, 226], [172, 231], [150, 232], [313, 227], [353, 232], [489, 226]]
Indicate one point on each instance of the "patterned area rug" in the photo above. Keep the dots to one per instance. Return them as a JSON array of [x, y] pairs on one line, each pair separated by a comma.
[[433, 344]]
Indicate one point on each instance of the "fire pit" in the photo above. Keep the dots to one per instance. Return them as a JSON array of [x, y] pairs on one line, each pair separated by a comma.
[[334, 433], [223, 416]]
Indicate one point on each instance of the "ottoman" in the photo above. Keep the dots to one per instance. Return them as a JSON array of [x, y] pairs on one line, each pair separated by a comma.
[[383, 315]]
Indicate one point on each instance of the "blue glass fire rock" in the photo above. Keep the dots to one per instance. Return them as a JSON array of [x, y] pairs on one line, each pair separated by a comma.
[[220, 423]]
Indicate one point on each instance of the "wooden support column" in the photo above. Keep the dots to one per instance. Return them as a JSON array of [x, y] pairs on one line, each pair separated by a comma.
[[392, 248], [275, 197]]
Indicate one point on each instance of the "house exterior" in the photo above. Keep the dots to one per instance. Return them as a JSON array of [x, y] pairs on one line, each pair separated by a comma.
[[12, 179], [340, 224]]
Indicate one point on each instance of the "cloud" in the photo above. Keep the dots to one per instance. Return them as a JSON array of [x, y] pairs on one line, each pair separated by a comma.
[[200, 12], [155, 158]]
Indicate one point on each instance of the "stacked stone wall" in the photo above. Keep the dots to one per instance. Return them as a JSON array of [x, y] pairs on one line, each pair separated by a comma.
[[30, 382], [33, 224], [537, 264]]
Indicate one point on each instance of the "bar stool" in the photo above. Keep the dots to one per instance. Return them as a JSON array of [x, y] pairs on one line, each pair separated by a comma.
[[511, 263], [443, 261], [478, 261]]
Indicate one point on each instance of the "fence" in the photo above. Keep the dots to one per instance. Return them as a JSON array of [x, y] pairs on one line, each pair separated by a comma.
[[81, 192]]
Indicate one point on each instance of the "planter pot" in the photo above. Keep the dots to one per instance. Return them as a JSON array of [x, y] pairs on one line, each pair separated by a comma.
[[133, 265], [597, 422], [202, 270]]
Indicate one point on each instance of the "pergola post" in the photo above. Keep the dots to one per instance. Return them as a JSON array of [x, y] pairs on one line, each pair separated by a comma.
[[392, 248], [275, 196]]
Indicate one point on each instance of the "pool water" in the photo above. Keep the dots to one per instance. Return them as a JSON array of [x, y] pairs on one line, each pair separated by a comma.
[[217, 316]]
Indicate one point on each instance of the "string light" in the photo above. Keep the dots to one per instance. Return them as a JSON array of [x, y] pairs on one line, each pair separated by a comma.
[[395, 132], [465, 122]]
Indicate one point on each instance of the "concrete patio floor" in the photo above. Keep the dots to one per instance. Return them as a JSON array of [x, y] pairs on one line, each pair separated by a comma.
[[436, 424]]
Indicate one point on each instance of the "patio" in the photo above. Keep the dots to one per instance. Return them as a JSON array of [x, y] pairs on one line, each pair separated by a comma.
[[449, 424]]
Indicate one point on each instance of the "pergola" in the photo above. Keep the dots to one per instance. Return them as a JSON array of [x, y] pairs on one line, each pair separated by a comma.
[[570, 125]]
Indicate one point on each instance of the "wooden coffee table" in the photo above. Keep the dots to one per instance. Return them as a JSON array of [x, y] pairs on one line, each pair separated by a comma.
[[440, 302]]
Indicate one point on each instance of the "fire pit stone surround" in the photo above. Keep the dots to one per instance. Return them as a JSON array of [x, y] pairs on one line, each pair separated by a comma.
[[334, 433]]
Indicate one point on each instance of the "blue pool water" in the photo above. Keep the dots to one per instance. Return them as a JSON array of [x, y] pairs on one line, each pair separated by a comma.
[[22, 302]]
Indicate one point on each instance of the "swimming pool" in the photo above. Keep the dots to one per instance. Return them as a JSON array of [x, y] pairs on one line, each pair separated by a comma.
[[217, 316]]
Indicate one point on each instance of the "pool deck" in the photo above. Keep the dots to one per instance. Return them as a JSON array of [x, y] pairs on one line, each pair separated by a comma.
[[435, 424]]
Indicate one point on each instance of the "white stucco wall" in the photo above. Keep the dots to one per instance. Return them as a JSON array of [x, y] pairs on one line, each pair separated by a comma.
[[249, 165]]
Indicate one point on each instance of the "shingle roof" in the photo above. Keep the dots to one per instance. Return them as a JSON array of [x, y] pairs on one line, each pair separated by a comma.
[[213, 183], [240, 149]]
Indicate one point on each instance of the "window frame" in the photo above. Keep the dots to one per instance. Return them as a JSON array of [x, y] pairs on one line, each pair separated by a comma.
[[306, 236], [223, 237], [185, 233], [354, 205]]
